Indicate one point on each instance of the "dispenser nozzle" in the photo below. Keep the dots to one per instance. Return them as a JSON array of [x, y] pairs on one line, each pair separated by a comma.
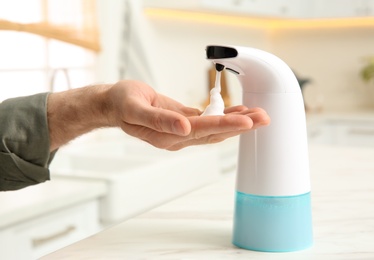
[[219, 67]]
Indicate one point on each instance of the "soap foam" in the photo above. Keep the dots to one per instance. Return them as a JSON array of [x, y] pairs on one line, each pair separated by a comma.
[[216, 105]]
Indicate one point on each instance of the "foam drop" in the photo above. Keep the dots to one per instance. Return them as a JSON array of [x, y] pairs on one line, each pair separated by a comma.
[[216, 105]]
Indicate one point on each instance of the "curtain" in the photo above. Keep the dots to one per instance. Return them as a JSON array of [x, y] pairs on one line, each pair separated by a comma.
[[71, 21]]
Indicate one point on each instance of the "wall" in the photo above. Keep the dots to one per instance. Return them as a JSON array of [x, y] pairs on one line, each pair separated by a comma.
[[109, 19], [179, 48], [332, 58], [169, 55]]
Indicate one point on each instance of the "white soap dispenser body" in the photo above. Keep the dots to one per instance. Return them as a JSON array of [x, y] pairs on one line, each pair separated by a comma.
[[273, 206]]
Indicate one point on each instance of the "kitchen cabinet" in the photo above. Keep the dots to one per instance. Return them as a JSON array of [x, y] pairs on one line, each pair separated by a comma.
[[268, 8], [275, 9], [320, 133], [37, 237], [342, 8], [342, 132], [356, 134], [263, 8], [39, 219], [138, 175], [370, 8]]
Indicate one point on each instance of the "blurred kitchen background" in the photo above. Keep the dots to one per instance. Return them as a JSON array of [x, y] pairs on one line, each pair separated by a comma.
[[105, 177]]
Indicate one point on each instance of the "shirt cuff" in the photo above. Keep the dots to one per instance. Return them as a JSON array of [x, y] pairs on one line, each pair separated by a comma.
[[24, 142]]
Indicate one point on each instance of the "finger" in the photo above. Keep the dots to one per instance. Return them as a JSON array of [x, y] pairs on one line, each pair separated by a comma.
[[205, 140], [258, 116], [157, 139], [189, 111], [204, 127], [235, 109], [161, 120], [171, 104], [210, 125]]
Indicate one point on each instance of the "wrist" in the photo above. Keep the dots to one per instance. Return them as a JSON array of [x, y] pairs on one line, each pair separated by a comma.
[[78, 111], [101, 105]]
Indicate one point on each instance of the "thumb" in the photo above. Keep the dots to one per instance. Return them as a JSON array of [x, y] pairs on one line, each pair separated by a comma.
[[162, 120]]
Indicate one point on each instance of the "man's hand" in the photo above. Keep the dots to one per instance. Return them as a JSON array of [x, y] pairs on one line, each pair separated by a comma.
[[143, 113]]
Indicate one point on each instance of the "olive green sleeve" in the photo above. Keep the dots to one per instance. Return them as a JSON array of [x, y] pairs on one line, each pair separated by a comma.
[[24, 142]]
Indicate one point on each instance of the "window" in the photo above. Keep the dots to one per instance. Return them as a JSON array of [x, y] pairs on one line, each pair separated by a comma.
[[31, 63]]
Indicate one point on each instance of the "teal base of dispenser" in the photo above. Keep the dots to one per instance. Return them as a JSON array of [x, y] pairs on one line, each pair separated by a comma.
[[273, 224]]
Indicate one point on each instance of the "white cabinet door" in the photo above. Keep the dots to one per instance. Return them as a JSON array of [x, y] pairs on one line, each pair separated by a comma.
[[274, 8], [248, 7], [297, 8], [37, 237], [267, 8], [339, 8], [321, 134], [370, 8], [356, 134], [342, 132]]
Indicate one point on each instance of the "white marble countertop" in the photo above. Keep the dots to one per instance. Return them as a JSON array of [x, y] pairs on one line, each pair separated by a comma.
[[36, 200], [199, 225]]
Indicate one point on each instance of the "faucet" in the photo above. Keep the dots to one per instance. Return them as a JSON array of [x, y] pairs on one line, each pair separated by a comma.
[[53, 78], [273, 202]]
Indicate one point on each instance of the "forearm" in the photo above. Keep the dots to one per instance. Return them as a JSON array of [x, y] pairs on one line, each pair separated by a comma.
[[78, 111]]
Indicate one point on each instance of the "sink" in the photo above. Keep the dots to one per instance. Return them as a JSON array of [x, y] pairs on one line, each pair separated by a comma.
[[139, 176]]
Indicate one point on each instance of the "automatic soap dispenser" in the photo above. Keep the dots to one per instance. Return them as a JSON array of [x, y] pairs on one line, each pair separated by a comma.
[[273, 205]]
